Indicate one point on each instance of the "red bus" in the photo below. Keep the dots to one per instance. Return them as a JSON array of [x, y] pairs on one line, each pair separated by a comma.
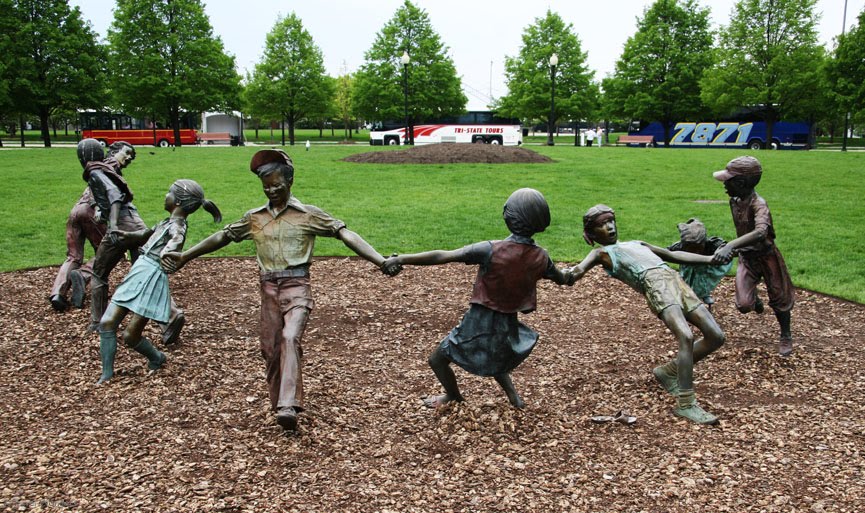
[[108, 127]]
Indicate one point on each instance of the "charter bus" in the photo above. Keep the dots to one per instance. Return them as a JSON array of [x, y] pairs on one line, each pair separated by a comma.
[[786, 135], [478, 127], [108, 127]]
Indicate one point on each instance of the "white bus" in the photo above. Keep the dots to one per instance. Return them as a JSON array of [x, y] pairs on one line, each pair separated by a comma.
[[477, 127]]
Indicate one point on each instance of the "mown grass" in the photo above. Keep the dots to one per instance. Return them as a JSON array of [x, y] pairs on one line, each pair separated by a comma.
[[815, 198]]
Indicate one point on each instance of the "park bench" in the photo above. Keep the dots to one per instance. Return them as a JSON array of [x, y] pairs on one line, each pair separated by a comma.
[[213, 137], [642, 140]]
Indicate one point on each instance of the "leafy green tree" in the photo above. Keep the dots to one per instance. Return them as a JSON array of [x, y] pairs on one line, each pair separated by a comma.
[[290, 83], [326, 111], [165, 60], [846, 70], [529, 77], [7, 49], [433, 88], [343, 102], [55, 61], [657, 77], [768, 57]]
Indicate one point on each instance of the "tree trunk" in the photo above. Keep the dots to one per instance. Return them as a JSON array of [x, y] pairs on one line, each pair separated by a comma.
[[771, 117], [175, 124], [282, 128], [291, 128], [43, 122]]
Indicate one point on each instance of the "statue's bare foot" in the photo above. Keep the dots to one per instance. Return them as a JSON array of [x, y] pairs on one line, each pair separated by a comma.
[[437, 401]]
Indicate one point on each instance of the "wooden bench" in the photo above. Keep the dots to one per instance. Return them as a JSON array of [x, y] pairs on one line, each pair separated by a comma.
[[212, 137], [647, 140]]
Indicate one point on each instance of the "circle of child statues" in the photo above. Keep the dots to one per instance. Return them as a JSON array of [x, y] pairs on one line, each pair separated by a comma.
[[490, 340]]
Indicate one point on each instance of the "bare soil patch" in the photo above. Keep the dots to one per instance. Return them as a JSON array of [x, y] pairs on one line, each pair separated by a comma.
[[197, 436], [452, 154]]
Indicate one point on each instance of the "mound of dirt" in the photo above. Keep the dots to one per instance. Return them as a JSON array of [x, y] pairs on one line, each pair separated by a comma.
[[452, 154], [198, 436]]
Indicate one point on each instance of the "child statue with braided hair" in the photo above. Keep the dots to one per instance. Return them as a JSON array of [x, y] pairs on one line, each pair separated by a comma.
[[642, 266], [144, 290]]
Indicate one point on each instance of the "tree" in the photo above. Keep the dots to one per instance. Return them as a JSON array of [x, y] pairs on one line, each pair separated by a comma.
[[7, 49], [343, 102], [846, 70], [529, 76], [165, 60], [290, 82], [432, 87], [55, 61], [768, 59], [657, 77]]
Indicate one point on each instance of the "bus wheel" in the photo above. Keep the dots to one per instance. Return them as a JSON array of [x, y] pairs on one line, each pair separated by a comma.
[[478, 139], [495, 140], [392, 141], [755, 145], [163, 143], [103, 142]]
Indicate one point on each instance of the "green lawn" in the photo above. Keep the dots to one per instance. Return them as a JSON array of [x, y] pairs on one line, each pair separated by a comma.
[[407, 208]]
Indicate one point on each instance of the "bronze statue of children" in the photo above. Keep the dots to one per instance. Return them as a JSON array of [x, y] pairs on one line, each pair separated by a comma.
[[642, 267], [284, 232], [84, 224], [701, 278], [759, 257], [113, 199], [490, 340], [144, 290]]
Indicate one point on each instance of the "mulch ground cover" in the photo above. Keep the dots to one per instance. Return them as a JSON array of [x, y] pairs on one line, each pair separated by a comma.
[[451, 154], [198, 436]]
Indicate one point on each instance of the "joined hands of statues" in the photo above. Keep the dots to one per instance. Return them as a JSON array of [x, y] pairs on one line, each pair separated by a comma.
[[171, 262], [391, 265], [573, 274], [723, 255]]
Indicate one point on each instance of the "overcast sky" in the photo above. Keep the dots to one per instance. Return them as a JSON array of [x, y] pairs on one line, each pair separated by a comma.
[[478, 34]]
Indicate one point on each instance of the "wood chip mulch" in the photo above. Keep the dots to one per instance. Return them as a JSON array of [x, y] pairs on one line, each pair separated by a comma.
[[197, 435]]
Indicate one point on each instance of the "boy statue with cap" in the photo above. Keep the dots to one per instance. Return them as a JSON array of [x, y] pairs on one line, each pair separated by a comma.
[[701, 278], [759, 257], [284, 232]]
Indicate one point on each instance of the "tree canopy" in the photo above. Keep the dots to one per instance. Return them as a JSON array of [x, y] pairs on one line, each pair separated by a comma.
[[52, 59], [768, 59], [343, 102], [657, 77], [529, 79], [434, 89], [165, 60], [846, 70], [290, 81]]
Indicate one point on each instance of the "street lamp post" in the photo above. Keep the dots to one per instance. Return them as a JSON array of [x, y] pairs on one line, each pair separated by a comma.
[[409, 132], [846, 110], [554, 61]]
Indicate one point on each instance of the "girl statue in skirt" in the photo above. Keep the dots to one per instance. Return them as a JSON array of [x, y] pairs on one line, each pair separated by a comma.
[[490, 340], [144, 290]]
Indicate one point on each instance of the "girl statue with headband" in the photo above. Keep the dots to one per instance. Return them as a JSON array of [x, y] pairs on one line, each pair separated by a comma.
[[144, 290], [490, 340]]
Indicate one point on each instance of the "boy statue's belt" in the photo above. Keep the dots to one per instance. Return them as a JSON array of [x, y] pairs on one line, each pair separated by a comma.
[[292, 272]]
